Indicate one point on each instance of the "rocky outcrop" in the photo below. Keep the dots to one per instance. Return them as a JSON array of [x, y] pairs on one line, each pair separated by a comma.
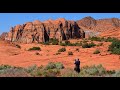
[[61, 29], [3, 35], [99, 25], [36, 31], [87, 22]]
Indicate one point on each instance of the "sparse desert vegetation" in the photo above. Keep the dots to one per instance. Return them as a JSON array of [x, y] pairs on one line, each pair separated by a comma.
[[34, 48], [96, 51], [115, 47], [56, 70], [49, 48], [70, 53], [88, 45], [84, 49], [62, 50]]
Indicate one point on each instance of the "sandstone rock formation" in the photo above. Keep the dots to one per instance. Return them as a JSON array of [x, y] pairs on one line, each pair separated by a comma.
[[3, 35], [37, 31], [61, 29], [101, 27]]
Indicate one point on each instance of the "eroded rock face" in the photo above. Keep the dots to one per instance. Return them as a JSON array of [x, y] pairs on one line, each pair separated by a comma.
[[3, 35], [36, 31], [87, 22]]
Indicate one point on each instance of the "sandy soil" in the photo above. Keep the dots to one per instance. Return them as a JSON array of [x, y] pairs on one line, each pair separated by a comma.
[[11, 55]]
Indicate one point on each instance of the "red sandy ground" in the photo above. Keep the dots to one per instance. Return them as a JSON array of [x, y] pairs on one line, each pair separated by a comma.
[[21, 57]]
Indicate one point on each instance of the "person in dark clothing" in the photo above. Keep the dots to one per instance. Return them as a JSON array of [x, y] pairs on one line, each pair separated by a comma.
[[77, 65]]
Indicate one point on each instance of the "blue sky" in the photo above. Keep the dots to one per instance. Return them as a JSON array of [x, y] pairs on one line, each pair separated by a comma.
[[8, 20]]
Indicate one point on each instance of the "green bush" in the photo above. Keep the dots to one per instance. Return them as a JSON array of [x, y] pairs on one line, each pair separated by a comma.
[[34, 48], [116, 74], [62, 50], [62, 44], [78, 44], [96, 38], [91, 44], [2, 67], [51, 73], [14, 72], [54, 41], [59, 65], [56, 70], [110, 39], [96, 51], [68, 73], [85, 41], [46, 43], [67, 42], [52, 65], [115, 47], [88, 45], [70, 53], [93, 70], [31, 68]]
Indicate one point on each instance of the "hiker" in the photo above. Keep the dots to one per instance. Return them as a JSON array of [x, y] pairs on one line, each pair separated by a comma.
[[77, 65]]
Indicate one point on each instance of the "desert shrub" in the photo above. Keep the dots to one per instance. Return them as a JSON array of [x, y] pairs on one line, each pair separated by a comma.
[[57, 53], [85, 41], [96, 51], [70, 53], [54, 41], [100, 44], [68, 73], [116, 74], [31, 68], [51, 73], [96, 38], [38, 71], [85, 45], [67, 42], [110, 72], [46, 43], [115, 47], [91, 44], [62, 44], [78, 44], [110, 39], [62, 50], [88, 45], [52, 65], [93, 70], [14, 72], [51, 70], [18, 46], [5, 67], [34, 48], [59, 65]]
